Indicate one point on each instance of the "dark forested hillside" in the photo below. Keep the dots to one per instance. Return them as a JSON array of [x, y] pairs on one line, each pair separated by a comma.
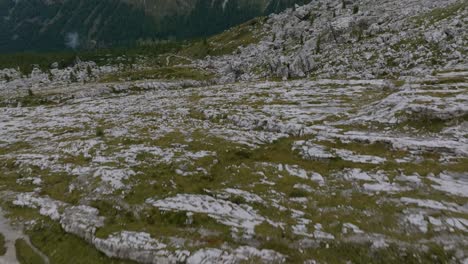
[[37, 25]]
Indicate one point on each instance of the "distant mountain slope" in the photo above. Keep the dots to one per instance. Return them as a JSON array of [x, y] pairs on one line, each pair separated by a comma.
[[45, 24]]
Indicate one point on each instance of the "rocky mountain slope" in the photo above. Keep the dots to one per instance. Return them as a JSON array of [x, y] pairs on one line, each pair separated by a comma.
[[333, 132], [46, 25], [357, 39]]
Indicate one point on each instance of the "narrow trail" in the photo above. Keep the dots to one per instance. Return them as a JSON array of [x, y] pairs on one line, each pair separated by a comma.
[[11, 235], [168, 58]]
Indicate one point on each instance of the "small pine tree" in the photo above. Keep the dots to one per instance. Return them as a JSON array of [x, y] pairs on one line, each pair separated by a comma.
[[317, 44], [73, 77], [343, 4], [312, 18], [89, 71], [355, 9], [99, 132], [30, 92]]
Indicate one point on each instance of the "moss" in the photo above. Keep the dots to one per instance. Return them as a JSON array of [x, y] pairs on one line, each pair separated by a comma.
[[25, 254]]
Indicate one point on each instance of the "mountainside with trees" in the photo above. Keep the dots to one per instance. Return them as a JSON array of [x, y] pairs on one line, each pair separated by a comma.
[[53, 25]]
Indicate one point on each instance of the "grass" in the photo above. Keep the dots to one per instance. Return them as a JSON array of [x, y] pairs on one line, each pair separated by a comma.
[[226, 42], [62, 247], [380, 149], [161, 224], [152, 55], [26, 61], [439, 14], [335, 251], [167, 73], [423, 123], [56, 186], [412, 44], [2, 245], [30, 100], [363, 253], [99, 132], [25, 254], [230, 40], [236, 166], [15, 147], [448, 80]]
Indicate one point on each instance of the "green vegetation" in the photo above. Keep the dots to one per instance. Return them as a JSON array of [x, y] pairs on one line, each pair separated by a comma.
[[99, 132], [263, 170], [56, 186], [363, 253], [157, 55], [318, 44], [161, 73], [439, 14], [26, 61], [62, 247], [29, 100], [423, 123], [447, 80], [25, 254], [226, 42], [2, 245], [355, 9], [161, 224], [44, 26], [242, 35]]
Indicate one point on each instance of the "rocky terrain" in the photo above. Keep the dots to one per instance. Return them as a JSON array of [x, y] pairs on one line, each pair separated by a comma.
[[360, 39], [352, 150]]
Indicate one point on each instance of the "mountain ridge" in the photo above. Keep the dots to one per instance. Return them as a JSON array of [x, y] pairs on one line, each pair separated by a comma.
[[44, 25]]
